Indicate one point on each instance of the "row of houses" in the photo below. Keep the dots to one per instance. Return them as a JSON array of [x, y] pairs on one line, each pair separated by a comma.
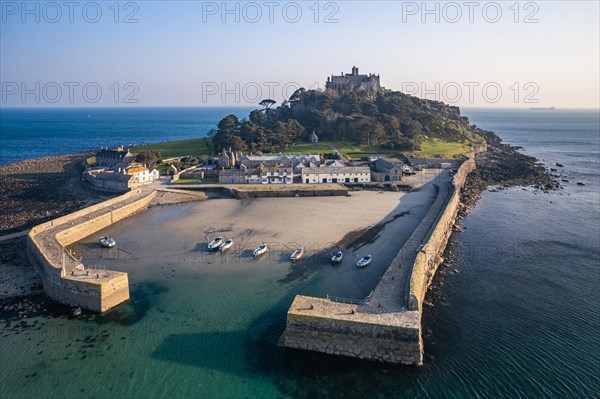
[[308, 169]]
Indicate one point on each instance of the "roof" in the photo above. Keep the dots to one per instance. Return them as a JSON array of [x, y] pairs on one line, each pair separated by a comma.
[[338, 170], [113, 153], [388, 163], [136, 169]]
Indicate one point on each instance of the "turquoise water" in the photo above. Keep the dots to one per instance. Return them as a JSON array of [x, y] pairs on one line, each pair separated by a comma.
[[518, 318]]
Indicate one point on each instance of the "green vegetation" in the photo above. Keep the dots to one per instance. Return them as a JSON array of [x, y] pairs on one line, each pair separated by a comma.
[[148, 157], [441, 148], [206, 180], [386, 122], [180, 148], [306, 148], [91, 160]]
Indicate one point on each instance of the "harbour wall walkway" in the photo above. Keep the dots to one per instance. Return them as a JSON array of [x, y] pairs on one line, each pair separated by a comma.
[[65, 278], [387, 326]]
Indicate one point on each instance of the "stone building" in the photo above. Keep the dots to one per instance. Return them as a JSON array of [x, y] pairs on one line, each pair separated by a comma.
[[113, 157], [120, 179], [345, 174], [228, 158], [387, 169], [296, 161], [353, 82]]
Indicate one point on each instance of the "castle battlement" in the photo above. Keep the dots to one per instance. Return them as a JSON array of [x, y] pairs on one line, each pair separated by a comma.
[[353, 82]]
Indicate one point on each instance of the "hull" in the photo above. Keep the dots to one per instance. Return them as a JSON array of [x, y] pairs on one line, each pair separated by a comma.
[[259, 251], [299, 254], [215, 244], [364, 262], [225, 246]]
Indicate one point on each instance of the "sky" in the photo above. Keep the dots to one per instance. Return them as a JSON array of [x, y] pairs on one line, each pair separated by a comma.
[[192, 53]]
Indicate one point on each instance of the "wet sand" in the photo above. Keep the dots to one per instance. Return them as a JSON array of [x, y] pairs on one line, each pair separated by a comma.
[[176, 237]]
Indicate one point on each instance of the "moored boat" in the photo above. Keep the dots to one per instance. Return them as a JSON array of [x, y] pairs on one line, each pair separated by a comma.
[[215, 244], [298, 254], [337, 257], [226, 245], [364, 261], [107, 242], [260, 250]]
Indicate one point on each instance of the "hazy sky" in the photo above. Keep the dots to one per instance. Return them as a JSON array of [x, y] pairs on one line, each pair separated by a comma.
[[479, 53]]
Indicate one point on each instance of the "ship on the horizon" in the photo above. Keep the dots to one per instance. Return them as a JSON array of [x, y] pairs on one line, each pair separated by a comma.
[[542, 108]]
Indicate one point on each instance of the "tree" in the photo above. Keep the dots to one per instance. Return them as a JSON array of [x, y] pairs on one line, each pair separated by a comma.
[[148, 157], [267, 103]]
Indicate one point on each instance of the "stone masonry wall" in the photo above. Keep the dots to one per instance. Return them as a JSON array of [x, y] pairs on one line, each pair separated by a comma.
[[430, 256], [320, 325], [64, 278]]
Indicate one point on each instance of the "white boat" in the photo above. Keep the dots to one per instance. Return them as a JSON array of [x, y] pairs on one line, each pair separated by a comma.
[[260, 250], [226, 245], [107, 242], [298, 254], [364, 261], [337, 257], [215, 244]]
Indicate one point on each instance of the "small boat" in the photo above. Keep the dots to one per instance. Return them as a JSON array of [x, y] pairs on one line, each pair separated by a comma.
[[107, 242], [337, 257], [260, 250], [298, 254], [226, 245], [215, 244], [364, 261]]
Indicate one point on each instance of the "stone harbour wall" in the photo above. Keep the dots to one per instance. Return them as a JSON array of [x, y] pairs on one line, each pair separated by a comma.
[[430, 256], [391, 335], [320, 325], [65, 279]]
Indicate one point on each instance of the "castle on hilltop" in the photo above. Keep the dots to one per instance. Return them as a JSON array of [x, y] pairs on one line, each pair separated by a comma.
[[353, 82]]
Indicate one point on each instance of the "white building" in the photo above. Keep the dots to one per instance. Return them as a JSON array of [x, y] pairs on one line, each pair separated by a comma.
[[142, 174], [345, 174]]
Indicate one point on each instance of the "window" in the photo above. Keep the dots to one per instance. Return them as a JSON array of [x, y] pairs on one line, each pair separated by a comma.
[[324, 180]]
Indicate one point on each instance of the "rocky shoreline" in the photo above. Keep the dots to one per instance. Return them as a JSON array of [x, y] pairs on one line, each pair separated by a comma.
[[33, 192], [504, 166], [37, 190]]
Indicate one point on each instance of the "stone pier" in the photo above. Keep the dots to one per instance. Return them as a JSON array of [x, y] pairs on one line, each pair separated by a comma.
[[387, 326], [65, 278]]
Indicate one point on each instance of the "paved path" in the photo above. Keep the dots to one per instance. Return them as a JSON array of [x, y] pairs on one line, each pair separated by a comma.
[[14, 235], [391, 291]]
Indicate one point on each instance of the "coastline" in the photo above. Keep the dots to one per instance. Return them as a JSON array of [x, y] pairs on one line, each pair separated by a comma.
[[31, 197]]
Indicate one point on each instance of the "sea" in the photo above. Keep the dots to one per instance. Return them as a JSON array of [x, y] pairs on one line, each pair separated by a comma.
[[516, 315], [27, 133]]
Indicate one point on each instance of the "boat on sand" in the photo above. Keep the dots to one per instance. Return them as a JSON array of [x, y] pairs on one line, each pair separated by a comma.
[[297, 255], [260, 250], [107, 242], [364, 261], [226, 245], [215, 244], [337, 257]]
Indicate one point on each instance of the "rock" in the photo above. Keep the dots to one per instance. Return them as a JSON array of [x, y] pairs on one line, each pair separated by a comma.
[[560, 165], [580, 183]]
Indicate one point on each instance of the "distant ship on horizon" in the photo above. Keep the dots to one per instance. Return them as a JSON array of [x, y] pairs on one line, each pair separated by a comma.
[[542, 108]]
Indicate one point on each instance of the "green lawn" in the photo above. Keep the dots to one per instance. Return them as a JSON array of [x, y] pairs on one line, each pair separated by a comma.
[[435, 147], [206, 180], [180, 148], [307, 148]]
